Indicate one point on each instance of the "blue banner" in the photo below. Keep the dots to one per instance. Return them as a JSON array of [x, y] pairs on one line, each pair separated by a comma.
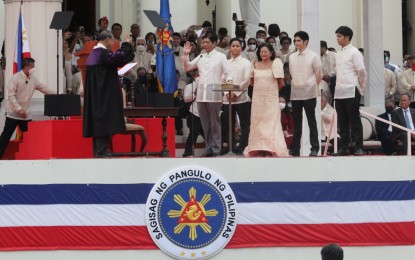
[[166, 68]]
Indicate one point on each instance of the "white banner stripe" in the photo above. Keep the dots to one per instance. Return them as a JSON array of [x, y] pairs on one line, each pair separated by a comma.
[[249, 213], [327, 212], [72, 215]]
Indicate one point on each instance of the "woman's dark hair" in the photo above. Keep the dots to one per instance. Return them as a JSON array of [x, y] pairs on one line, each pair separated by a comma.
[[148, 36], [269, 47], [253, 39], [286, 108], [269, 38], [285, 39]]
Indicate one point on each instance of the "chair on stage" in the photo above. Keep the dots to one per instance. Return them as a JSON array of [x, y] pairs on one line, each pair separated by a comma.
[[133, 129]]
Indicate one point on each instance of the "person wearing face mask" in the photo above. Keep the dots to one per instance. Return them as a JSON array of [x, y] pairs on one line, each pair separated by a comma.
[[384, 131], [261, 35], [151, 42], [251, 50], [287, 121], [20, 90], [141, 57]]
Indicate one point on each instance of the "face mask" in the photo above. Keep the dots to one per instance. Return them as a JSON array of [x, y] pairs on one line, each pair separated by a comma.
[[386, 59], [140, 48], [273, 45], [282, 105], [31, 71], [252, 47], [260, 41], [389, 110]]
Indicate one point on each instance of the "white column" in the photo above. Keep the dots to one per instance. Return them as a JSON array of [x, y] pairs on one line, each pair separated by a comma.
[[308, 20], [373, 45], [42, 40]]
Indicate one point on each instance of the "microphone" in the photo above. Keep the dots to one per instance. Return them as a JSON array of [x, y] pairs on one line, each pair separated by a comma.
[[201, 55], [26, 82]]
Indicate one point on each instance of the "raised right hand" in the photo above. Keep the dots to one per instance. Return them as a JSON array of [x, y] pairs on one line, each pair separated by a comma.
[[187, 48]]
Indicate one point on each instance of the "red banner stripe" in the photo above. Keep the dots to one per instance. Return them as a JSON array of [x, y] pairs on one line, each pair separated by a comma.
[[246, 236]]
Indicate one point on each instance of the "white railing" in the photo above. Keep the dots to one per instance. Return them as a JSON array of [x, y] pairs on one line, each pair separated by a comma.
[[334, 125]]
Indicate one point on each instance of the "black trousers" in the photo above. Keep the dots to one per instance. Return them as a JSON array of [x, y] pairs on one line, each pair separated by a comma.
[[309, 106], [387, 144], [402, 150], [348, 116], [244, 113], [101, 146], [195, 127], [9, 127]]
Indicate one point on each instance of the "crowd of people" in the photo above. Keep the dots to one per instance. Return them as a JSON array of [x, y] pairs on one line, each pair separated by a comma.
[[279, 78]]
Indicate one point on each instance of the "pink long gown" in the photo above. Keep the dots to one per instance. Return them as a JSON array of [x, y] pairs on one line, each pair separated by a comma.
[[266, 132]]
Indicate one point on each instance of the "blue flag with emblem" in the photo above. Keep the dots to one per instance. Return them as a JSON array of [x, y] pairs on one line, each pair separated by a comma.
[[166, 68]]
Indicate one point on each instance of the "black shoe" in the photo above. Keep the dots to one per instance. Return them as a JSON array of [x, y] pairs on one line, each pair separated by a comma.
[[187, 155], [313, 154], [207, 155], [294, 154], [342, 152], [215, 155], [359, 152], [104, 155]]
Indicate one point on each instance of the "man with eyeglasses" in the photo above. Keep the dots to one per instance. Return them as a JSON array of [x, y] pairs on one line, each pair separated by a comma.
[[103, 108]]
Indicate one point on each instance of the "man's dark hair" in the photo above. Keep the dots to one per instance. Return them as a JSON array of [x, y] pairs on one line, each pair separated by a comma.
[[331, 49], [283, 39], [323, 44], [274, 30], [345, 31], [406, 94], [176, 34], [269, 47], [206, 24], [223, 31], [302, 35], [260, 31], [332, 251], [211, 36], [27, 62], [116, 24]]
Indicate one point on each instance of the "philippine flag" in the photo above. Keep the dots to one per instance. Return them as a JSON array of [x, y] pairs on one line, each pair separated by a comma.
[[22, 49], [271, 214]]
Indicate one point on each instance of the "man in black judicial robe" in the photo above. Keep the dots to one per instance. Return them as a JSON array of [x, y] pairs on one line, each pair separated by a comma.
[[103, 105]]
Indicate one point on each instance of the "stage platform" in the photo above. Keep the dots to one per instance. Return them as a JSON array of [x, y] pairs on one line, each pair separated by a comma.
[[62, 139], [346, 173]]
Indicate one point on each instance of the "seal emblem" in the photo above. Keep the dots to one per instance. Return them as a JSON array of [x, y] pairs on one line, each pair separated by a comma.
[[191, 213]]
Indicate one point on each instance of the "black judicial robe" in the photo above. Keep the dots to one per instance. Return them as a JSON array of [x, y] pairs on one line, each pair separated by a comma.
[[103, 105]]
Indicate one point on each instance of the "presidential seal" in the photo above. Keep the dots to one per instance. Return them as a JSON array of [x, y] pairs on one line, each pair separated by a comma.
[[191, 213]]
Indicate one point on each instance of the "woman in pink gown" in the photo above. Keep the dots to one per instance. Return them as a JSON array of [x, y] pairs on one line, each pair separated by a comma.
[[266, 138]]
